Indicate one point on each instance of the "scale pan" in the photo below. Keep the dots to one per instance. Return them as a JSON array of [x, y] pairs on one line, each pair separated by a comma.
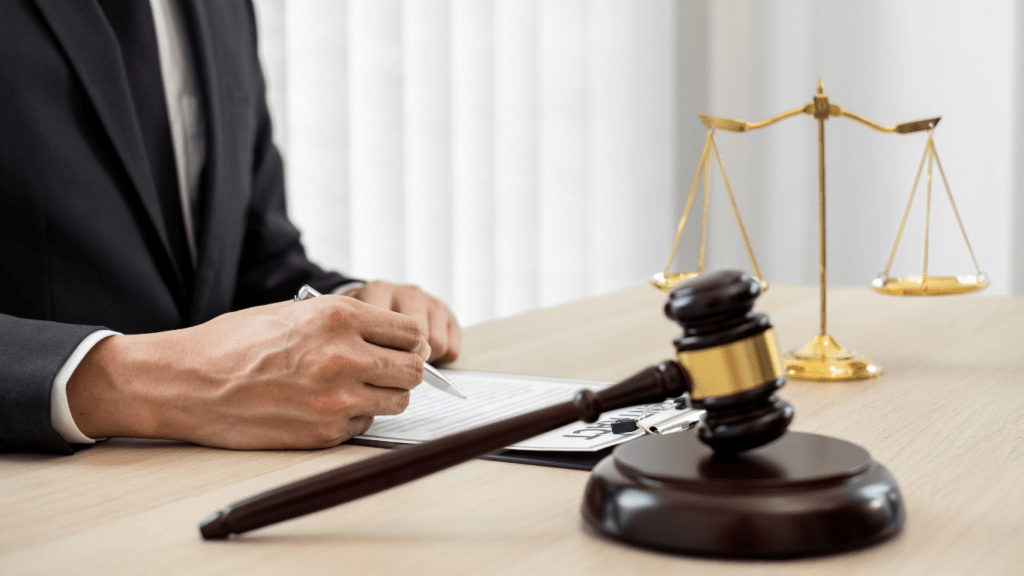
[[930, 285], [666, 282]]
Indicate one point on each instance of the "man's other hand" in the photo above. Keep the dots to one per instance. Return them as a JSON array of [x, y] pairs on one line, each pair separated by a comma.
[[434, 318], [288, 375]]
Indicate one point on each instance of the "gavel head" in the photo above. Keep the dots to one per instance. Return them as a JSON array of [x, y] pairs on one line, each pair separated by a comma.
[[733, 361]]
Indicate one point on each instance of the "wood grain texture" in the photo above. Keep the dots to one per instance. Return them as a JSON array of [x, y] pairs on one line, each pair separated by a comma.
[[946, 418]]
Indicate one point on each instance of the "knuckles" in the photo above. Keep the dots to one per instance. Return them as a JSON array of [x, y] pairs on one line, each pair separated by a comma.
[[409, 326], [416, 371], [406, 373], [409, 292], [339, 315], [332, 406]]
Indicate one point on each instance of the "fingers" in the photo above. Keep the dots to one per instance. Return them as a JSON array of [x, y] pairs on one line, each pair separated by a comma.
[[359, 425], [434, 319], [405, 299], [387, 368], [385, 401], [351, 428], [360, 400], [454, 342], [389, 329], [437, 331], [370, 346], [412, 302], [377, 293], [444, 334]]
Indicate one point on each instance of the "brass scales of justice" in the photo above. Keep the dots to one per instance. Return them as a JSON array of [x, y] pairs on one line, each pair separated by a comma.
[[823, 359]]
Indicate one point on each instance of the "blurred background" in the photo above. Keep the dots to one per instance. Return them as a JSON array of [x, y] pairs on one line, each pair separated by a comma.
[[512, 154]]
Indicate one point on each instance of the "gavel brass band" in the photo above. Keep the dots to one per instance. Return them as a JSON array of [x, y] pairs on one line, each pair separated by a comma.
[[734, 367]]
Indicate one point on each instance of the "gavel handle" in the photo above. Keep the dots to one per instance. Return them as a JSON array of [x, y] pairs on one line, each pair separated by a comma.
[[366, 477]]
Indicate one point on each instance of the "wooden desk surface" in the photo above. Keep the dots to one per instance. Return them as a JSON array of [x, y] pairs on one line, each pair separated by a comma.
[[947, 418]]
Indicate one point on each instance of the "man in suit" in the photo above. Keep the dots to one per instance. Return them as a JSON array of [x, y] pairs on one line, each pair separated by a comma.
[[147, 257]]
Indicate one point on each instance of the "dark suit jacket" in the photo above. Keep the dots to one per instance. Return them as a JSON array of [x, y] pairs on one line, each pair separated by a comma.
[[82, 240]]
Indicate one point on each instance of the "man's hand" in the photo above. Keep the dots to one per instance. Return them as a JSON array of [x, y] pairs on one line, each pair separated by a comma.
[[434, 318], [289, 375]]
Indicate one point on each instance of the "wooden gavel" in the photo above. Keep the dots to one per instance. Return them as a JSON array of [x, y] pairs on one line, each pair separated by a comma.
[[727, 361]]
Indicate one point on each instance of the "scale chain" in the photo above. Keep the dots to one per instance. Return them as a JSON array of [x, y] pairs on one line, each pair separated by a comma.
[[956, 212], [928, 208], [906, 212], [689, 201], [736, 210]]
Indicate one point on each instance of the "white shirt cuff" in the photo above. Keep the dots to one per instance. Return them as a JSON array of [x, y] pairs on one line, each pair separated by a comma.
[[60, 413], [353, 285]]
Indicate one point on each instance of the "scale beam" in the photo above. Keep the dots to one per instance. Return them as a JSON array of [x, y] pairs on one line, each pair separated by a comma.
[[731, 125]]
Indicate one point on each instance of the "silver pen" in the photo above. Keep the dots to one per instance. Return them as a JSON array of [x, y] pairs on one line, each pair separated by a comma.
[[430, 374]]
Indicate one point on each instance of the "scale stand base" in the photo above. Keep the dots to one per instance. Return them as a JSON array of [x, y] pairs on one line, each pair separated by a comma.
[[802, 495], [823, 359]]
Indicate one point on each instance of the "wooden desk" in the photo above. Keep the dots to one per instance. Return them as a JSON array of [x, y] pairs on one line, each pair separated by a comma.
[[947, 419]]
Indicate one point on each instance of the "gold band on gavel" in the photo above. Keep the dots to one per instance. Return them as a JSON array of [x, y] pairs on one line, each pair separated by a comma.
[[734, 367]]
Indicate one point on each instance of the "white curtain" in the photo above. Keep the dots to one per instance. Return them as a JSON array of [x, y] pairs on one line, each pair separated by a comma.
[[503, 154], [509, 154]]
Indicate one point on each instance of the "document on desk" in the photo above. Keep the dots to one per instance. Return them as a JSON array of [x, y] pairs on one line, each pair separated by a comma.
[[495, 396]]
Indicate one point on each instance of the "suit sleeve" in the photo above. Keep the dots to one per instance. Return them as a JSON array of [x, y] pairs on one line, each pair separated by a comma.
[[273, 263], [31, 354]]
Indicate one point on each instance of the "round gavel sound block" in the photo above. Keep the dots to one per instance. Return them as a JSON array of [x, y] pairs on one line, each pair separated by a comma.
[[743, 486]]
